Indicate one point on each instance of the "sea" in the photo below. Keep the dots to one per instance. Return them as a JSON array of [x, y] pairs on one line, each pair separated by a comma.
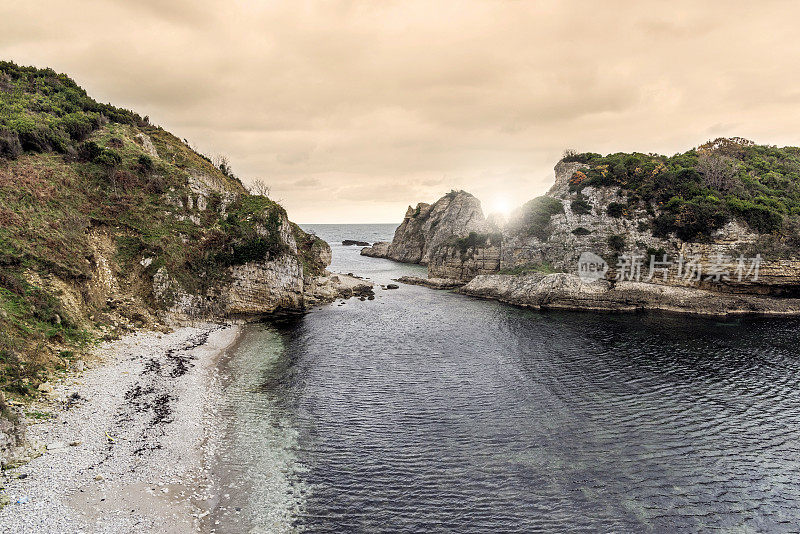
[[429, 411]]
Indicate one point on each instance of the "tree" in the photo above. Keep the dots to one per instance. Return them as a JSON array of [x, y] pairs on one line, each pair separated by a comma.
[[223, 164], [718, 172], [259, 187]]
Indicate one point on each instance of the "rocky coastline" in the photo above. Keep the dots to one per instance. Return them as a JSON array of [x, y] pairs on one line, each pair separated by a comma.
[[568, 292], [533, 259], [126, 440]]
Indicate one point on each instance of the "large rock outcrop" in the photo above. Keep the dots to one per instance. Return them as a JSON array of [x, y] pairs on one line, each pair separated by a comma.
[[713, 254], [564, 225], [430, 226]]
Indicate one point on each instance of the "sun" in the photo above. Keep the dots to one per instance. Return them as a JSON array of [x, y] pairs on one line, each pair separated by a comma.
[[500, 205]]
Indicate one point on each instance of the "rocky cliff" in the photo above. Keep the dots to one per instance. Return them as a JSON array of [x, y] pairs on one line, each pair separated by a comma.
[[718, 220], [108, 224], [430, 226]]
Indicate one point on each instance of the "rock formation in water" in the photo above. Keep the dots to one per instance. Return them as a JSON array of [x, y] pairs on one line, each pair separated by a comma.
[[429, 226], [703, 218]]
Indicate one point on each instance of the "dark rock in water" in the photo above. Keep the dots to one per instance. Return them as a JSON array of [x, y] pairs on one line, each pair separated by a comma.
[[351, 242], [392, 286], [433, 283], [371, 297]]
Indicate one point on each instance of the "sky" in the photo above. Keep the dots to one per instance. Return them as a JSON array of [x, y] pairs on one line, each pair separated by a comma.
[[352, 110]]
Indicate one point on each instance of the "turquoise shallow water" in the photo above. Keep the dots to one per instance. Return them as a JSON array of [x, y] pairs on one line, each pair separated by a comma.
[[426, 411]]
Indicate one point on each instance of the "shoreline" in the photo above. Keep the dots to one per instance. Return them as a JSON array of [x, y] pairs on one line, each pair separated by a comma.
[[563, 291], [130, 440]]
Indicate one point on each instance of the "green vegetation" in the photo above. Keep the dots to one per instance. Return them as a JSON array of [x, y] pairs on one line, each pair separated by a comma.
[[581, 206], [616, 242], [476, 240], [536, 215], [42, 111], [77, 176], [616, 209], [308, 246], [697, 192]]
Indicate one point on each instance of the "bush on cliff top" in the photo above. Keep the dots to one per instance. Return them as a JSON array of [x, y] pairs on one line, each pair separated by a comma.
[[697, 192], [42, 111]]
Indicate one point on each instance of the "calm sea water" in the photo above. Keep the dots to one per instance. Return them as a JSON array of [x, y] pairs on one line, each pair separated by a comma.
[[427, 411]]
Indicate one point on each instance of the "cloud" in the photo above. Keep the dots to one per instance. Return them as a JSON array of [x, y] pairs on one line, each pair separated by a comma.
[[352, 110]]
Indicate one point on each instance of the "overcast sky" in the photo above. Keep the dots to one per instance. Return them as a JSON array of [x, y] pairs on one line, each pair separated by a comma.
[[352, 110]]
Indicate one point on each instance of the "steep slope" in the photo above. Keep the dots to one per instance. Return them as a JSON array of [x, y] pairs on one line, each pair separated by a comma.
[[108, 223]]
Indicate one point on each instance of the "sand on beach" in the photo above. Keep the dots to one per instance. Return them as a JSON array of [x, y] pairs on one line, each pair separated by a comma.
[[128, 445]]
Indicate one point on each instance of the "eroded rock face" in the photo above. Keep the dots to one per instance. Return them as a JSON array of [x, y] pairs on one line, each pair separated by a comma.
[[12, 437], [257, 288], [584, 224], [453, 262], [429, 226]]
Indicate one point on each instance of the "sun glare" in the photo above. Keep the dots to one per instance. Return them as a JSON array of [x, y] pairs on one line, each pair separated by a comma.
[[501, 206]]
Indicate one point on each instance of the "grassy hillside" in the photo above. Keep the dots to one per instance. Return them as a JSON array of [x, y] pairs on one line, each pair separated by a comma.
[[75, 175], [696, 192]]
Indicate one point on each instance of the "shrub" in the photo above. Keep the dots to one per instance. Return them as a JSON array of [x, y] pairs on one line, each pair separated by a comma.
[[616, 209], [108, 158], [698, 218], [581, 206], [760, 218], [616, 242], [77, 125], [475, 240], [144, 163], [10, 146], [89, 151], [572, 156], [581, 231]]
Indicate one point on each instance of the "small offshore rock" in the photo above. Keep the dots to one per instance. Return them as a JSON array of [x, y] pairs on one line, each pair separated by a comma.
[[352, 242], [392, 286]]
